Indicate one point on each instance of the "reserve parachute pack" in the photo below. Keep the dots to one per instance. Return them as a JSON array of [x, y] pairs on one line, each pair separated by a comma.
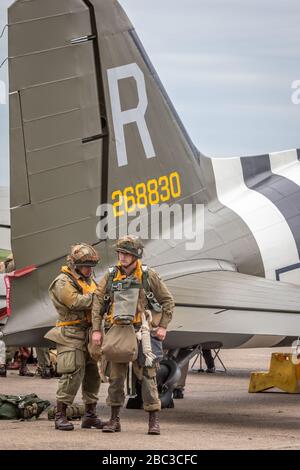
[[21, 407], [126, 295]]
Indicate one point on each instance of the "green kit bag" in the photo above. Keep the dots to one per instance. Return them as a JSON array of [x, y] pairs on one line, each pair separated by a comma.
[[21, 407], [74, 411]]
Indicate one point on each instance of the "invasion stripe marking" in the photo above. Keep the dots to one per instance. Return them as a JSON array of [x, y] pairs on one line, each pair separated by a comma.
[[286, 164], [228, 217], [263, 218], [282, 192]]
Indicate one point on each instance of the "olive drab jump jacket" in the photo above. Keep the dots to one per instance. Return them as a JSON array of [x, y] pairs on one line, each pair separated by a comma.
[[72, 296]]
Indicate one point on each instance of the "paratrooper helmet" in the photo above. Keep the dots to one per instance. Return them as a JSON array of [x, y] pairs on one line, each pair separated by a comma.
[[131, 245], [9, 264], [83, 254]]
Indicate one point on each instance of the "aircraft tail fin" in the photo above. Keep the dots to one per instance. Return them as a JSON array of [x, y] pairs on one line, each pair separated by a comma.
[[147, 138], [90, 123]]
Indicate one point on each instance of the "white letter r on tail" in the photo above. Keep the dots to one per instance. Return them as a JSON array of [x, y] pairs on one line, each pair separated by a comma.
[[120, 118]]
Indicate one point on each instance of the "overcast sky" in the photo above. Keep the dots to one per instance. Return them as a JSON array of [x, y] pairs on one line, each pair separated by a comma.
[[227, 65], [4, 126]]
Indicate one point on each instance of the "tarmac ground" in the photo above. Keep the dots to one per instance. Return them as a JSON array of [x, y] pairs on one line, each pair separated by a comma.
[[217, 412]]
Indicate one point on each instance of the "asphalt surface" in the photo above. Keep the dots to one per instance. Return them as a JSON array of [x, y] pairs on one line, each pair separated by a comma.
[[216, 413]]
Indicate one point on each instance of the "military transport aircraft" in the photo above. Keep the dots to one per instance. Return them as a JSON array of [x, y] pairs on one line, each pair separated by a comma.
[[90, 123]]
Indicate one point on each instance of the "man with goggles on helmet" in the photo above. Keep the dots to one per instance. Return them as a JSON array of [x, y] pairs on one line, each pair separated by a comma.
[[72, 295]]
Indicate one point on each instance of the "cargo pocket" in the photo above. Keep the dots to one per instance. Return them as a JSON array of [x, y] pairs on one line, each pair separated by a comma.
[[66, 361]]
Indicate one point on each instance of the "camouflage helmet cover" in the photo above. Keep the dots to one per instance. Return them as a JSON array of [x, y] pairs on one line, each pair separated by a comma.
[[83, 254], [131, 245], [9, 264]]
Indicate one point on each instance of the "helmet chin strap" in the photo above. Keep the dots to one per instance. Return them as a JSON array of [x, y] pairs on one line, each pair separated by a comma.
[[77, 269], [127, 268]]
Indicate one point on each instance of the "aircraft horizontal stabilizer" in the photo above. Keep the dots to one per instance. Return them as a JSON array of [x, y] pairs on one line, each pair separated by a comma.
[[231, 302]]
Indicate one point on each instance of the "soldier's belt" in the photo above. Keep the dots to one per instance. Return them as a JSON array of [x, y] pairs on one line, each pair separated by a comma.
[[70, 323]]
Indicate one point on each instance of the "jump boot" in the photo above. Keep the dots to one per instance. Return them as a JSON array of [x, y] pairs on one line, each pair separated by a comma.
[[46, 372], [24, 371], [90, 419], [153, 423], [113, 424], [61, 421]]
